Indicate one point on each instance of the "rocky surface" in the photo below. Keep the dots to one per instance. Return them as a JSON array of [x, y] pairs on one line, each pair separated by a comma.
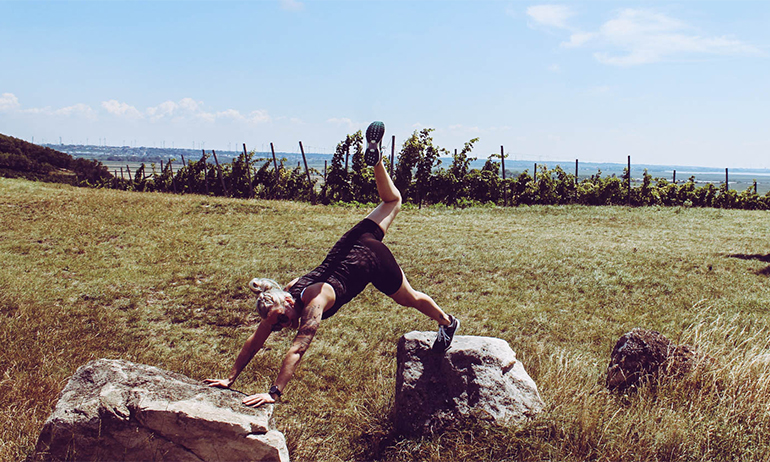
[[121, 411], [477, 378], [642, 355]]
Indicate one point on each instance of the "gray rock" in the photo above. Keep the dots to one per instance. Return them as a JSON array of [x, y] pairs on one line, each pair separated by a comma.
[[477, 378], [121, 411]]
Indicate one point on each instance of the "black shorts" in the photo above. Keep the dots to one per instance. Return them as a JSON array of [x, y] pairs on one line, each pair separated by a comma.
[[358, 258], [386, 274]]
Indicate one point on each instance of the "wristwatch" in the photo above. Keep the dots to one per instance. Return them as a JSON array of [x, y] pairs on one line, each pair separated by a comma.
[[275, 391]]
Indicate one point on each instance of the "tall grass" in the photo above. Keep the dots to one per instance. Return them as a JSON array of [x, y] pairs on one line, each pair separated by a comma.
[[160, 279]]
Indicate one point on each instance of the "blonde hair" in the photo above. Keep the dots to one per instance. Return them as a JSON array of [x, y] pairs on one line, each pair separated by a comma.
[[269, 295]]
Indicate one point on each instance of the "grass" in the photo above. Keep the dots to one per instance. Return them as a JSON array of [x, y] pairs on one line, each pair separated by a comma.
[[161, 279]]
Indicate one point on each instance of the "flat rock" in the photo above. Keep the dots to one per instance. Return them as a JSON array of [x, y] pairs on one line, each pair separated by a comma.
[[119, 410]]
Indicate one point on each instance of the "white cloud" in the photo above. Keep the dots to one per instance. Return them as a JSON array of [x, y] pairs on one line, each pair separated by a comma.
[[578, 39], [258, 117], [292, 5], [639, 36], [117, 108], [79, 109], [345, 122], [164, 110], [459, 128], [8, 102], [550, 15]]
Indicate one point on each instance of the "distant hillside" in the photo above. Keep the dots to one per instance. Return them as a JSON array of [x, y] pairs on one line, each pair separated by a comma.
[[20, 159]]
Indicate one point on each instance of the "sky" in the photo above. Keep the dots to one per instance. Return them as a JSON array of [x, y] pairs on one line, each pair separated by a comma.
[[668, 83]]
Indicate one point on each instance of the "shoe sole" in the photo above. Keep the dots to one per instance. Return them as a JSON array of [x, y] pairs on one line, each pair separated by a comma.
[[374, 135]]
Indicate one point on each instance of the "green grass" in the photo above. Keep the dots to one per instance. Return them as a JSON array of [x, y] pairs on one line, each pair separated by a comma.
[[161, 279]]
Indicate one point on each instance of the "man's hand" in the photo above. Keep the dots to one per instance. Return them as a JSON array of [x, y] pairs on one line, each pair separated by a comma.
[[218, 383], [258, 399]]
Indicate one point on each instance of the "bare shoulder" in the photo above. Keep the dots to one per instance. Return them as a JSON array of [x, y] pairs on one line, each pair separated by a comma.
[[319, 293]]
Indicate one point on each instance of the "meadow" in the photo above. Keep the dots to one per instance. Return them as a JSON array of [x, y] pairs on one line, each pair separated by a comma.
[[161, 279]]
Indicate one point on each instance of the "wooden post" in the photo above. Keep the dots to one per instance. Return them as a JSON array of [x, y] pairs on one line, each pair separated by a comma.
[[674, 176], [325, 172], [184, 164], [534, 176], [755, 186], [205, 171], [505, 190], [502, 158], [248, 172], [307, 171], [727, 181], [275, 166], [121, 173], [128, 172], [628, 199], [392, 153], [219, 172], [173, 179], [576, 171]]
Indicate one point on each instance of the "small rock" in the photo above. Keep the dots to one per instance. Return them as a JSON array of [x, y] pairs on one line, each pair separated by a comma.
[[642, 355]]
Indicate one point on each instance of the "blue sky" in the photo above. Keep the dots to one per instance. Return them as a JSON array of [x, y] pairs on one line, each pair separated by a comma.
[[677, 83]]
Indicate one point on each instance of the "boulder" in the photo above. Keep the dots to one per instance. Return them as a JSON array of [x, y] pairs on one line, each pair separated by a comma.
[[121, 411], [477, 378], [643, 355]]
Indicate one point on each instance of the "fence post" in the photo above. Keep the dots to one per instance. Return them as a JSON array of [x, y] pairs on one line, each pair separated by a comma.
[[505, 190], [534, 176], [628, 199], [219, 173], [755, 186], [277, 174], [130, 180], [392, 153], [248, 171], [307, 171], [205, 171], [173, 179], [325, 163]]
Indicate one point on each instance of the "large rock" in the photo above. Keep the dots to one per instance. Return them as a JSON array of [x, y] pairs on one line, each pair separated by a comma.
[[477, 378], [643, 355], [121, 411]]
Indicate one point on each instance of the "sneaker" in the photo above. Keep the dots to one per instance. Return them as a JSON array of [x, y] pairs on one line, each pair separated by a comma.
[[445, 335], [374, 135]]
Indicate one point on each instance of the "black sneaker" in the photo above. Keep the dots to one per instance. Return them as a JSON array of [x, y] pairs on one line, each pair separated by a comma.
[[374, 135], [445, 335]]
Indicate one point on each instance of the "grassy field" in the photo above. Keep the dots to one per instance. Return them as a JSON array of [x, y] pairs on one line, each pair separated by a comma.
[[161, 279]]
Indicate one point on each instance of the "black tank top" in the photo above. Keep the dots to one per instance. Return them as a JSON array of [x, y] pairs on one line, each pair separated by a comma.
[[347, 267]]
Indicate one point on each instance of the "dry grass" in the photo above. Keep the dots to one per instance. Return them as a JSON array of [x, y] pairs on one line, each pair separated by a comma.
[[160, 279]]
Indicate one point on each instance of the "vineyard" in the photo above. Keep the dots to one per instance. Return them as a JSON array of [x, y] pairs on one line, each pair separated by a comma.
[[418, 173]]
